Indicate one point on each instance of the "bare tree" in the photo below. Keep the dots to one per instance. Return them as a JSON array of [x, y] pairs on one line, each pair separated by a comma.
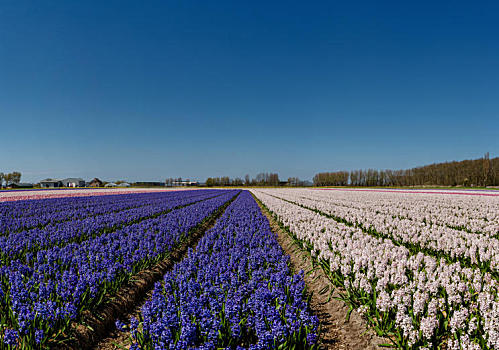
[[16, 177], [8, 179], [486, 169]]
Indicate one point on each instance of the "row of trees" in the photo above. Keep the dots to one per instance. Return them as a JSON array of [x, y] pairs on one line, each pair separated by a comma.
[[10, 178], [262, 179], [223, 181], [337, 178], [476, 172]]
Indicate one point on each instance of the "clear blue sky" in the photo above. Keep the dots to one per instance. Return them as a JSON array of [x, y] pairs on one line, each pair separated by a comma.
[[144, 90]]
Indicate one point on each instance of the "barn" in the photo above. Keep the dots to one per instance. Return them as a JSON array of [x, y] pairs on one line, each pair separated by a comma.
[[73, 182], [50, 183]]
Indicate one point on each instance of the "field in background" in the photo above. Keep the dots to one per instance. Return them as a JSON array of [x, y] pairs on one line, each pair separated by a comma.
[[442, 190], [421, 266], [79, 192]]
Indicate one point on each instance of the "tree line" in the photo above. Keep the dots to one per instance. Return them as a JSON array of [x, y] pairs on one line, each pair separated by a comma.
[[474, 172], [9, 178], [262, 179]]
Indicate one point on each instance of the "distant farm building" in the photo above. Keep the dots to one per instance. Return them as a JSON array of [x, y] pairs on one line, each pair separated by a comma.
[[50, 183], [123, 184], [149, 183], [184, 183], [73, 182], [110, 184], [95, 183], [21, 185]]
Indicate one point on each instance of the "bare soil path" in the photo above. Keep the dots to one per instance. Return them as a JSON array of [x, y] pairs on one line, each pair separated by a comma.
[[337, 332]]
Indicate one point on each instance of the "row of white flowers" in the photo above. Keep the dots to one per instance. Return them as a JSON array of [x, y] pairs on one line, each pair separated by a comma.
[[478, 249], [415, 299], [478, 214]]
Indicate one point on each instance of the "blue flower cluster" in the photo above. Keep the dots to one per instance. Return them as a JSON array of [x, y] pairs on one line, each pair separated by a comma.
[[24, 214], [24, 244], [53, 281], [234, 291]]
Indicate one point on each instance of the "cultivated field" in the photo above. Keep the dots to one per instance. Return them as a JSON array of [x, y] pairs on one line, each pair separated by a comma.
[[422, 268], [72, 267], [16, 195], [210, 269]]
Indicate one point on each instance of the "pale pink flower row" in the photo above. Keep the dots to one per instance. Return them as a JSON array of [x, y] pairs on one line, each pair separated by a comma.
[[42, 194], [480, 248], [406, 284], [479, 214]]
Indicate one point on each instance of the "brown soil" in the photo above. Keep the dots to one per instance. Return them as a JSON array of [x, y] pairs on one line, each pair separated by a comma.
[[337, 332], [98, 330]]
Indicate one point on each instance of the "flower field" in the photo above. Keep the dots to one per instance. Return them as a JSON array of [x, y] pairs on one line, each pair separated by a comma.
[[423, 268], [53, 270], [234, 291], [17, 195]]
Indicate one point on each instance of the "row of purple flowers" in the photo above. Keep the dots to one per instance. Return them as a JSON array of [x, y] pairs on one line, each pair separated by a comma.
[[23, 215], [24, 245], [234, 291], [41, 296]]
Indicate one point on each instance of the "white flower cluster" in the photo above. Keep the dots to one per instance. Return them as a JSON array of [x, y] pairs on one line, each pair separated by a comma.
[[430, 300], [414, 227]]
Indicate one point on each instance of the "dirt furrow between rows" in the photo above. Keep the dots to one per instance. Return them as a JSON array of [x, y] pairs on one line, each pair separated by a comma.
[[336, 331]]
